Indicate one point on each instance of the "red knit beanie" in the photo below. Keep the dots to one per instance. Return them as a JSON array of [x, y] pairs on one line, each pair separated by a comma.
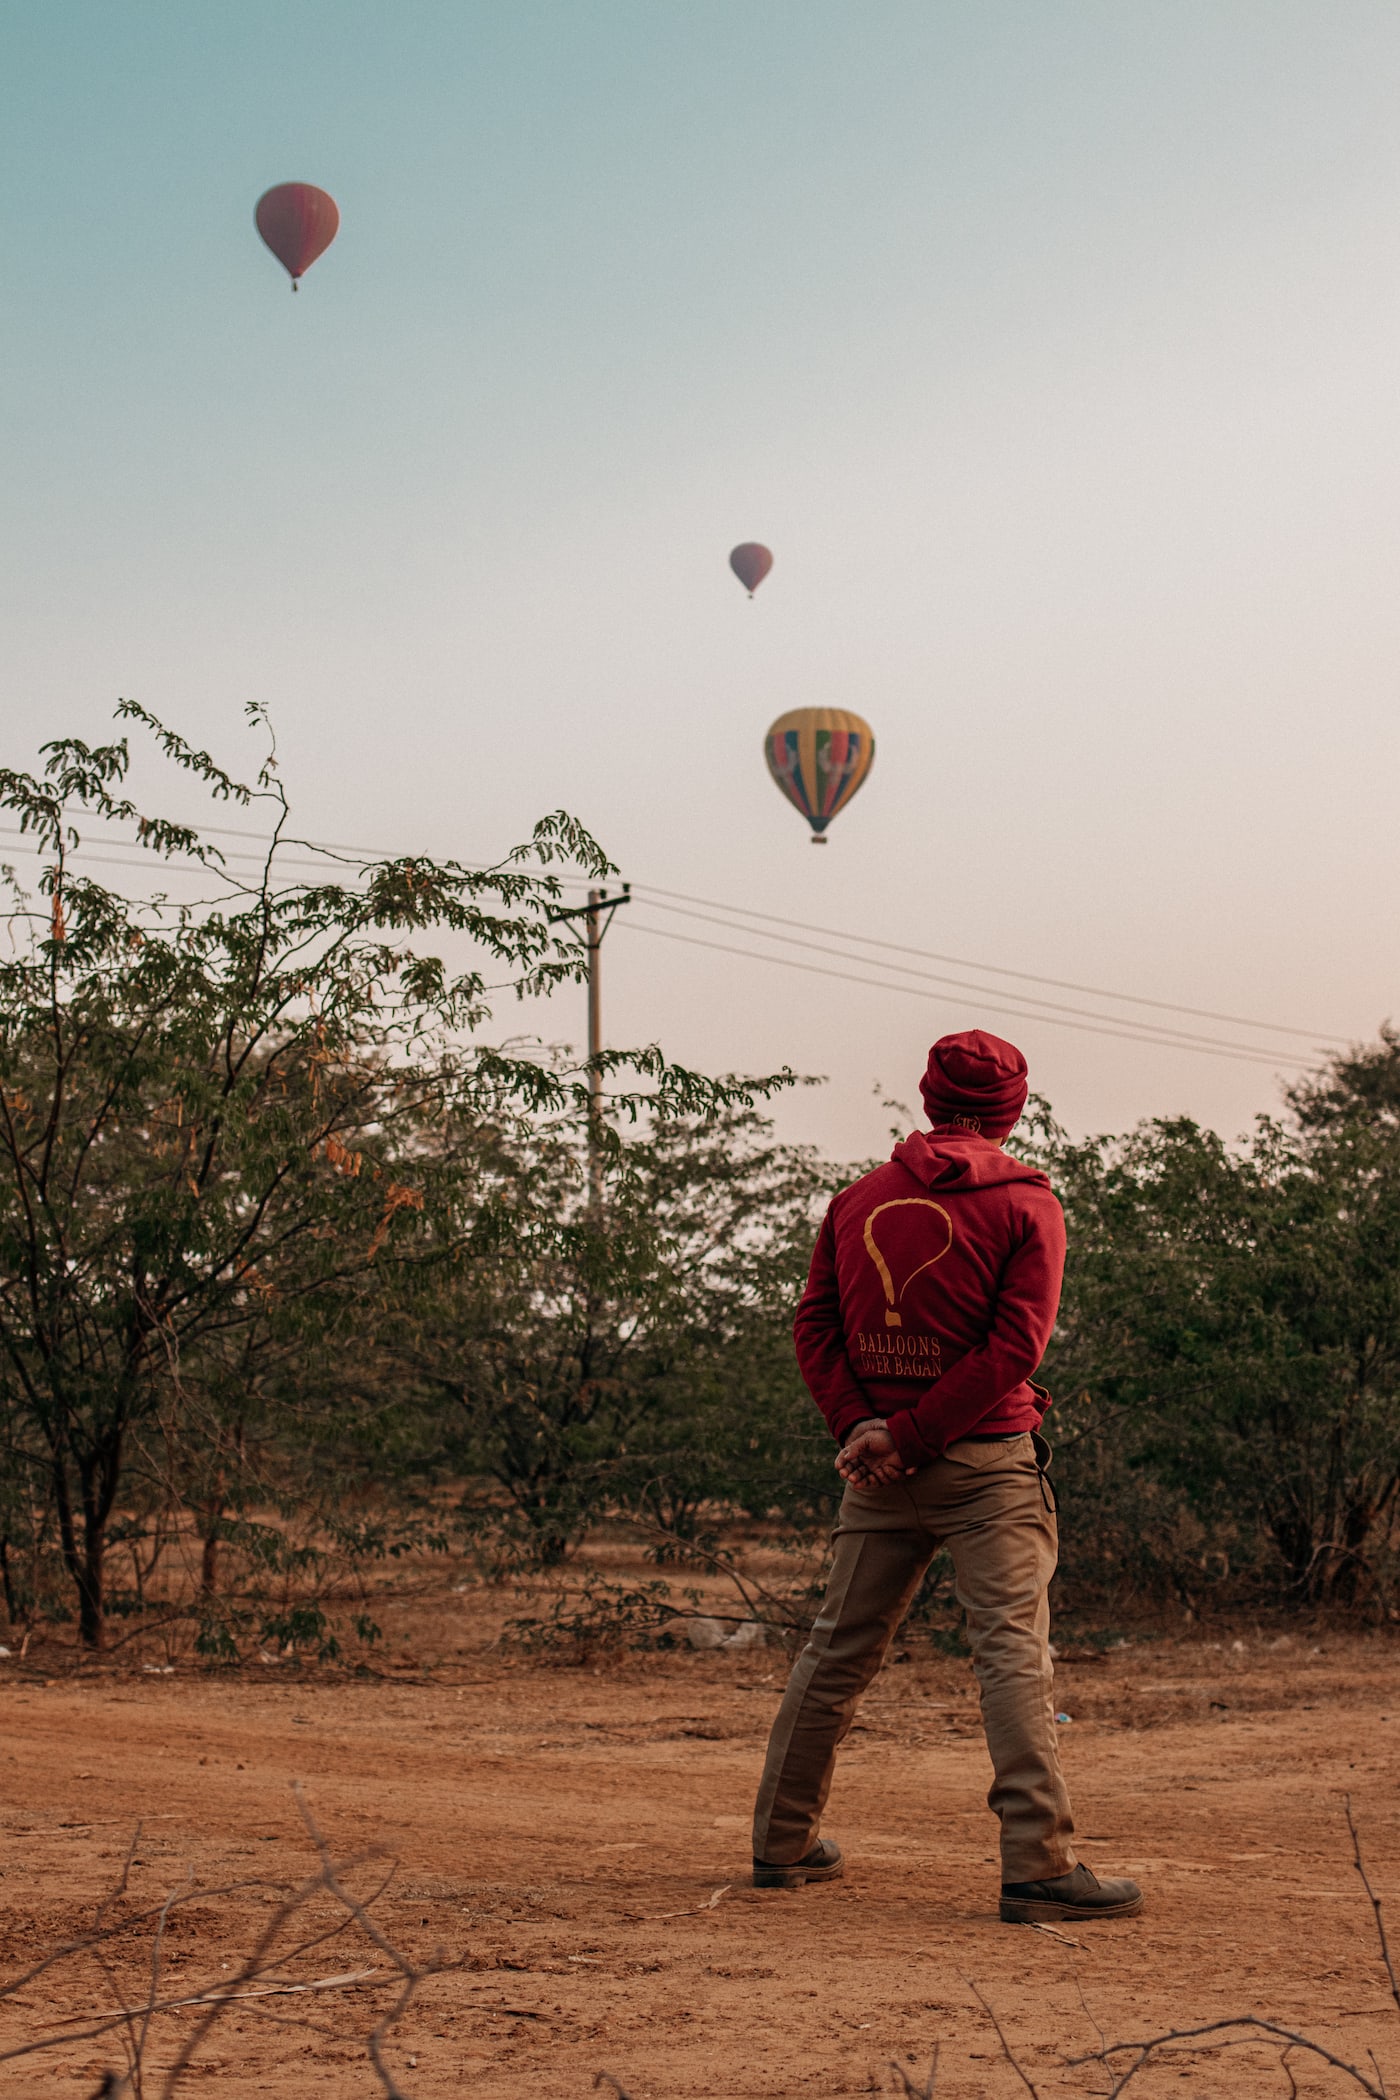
[[976, 1081]]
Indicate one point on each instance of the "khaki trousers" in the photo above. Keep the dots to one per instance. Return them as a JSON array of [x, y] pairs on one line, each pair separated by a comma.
[[990, 1505]]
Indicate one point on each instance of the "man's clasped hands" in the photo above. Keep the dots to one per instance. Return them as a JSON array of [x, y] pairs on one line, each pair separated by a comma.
[[868, 1457]]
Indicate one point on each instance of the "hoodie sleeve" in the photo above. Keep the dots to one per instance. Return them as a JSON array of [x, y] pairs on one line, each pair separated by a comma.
[[1028, 1298], [821, 1343]]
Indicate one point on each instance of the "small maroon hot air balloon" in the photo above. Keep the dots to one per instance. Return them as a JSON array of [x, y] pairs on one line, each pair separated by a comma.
[[298, 222], [751, 564]]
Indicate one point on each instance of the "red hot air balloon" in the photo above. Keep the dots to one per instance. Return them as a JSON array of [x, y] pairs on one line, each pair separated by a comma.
[[751, 564], [298, 223]]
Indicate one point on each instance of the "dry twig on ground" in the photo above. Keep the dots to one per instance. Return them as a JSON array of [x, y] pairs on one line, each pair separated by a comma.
[[298, 1925], [1235, 2031], [910, 2091], [1143, 2051], [1360, 1865], [1006, 2048], [1241, 2028]]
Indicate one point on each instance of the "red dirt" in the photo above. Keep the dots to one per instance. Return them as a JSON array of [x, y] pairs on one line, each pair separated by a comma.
[[549, 1820]]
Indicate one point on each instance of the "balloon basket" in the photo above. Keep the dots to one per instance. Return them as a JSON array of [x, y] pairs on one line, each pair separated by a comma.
[[818, 838]]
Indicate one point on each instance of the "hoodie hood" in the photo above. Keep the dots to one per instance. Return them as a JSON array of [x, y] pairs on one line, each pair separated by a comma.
[[956, 1159]]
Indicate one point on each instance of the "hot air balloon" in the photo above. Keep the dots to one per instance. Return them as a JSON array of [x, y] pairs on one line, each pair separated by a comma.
[[750, 564], [819, 756], [298, 223]]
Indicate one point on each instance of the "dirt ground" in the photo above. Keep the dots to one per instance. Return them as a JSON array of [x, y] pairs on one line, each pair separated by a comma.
[[560, 1834]]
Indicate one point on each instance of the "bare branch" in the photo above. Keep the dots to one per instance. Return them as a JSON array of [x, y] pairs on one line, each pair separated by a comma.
[[119, 1889], [260, 1975], [918, 2092], [1005, 2045], [1154, 2042], [1375, 1902], [392, 2088]]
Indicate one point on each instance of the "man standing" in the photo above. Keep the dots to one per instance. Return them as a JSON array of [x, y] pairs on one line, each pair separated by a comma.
[[932, 1294]]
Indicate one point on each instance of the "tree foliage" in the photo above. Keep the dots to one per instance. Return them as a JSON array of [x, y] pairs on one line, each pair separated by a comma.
[[645, 1368], [1229, 1347], [219, 1123]]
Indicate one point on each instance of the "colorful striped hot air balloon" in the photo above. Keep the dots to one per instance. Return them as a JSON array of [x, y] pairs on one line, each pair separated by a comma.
[[819, 756]]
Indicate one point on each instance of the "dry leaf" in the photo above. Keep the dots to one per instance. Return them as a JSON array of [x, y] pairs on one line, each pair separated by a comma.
[[398, 1198]]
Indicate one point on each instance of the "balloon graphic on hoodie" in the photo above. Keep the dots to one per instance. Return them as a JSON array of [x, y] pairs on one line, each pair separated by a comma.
[[940, 1237], [298, 223], [819, 756], [750, 563]]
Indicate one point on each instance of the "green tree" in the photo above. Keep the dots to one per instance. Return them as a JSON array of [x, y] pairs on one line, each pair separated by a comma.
[[218, 1121], [1229, 1347], [641, 1361]]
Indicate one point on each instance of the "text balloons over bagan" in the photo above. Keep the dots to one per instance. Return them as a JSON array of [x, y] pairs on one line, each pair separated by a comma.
[[298, 222], [751, 564], [819, 756]]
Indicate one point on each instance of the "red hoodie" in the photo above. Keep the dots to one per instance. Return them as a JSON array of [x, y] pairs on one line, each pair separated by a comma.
[[932, 1294]]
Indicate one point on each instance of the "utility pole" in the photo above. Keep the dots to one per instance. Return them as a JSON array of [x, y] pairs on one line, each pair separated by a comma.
[[597, 916]]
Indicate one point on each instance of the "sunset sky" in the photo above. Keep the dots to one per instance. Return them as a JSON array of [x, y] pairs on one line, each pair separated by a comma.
[[1053, 347]]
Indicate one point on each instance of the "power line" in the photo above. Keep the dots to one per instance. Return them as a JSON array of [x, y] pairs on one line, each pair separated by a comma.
[[1187, 1038], [676, 900], [152, 857], [1085, 1024], [962, 962], [1238, 1053]]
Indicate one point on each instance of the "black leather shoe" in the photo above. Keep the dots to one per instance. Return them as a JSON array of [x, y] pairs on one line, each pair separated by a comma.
[[1078, 1894], [822, 1863]]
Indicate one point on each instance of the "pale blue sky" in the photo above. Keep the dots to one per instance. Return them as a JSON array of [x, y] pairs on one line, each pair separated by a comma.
[[1054, 349]]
